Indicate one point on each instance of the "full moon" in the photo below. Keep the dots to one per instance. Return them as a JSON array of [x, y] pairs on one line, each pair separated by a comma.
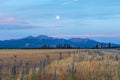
[[57, 17]]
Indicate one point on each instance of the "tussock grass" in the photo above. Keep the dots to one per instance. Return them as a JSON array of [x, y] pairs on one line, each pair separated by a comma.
[[52, 65]]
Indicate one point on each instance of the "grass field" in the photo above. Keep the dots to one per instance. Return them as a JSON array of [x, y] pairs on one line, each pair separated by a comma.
[[60, 64], [31, 55]]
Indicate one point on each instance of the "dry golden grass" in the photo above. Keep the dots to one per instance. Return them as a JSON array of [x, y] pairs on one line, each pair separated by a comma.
[[31, 55], [88, 64]]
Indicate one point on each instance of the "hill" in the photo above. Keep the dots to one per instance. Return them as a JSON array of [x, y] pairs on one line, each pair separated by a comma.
[[43, 41]]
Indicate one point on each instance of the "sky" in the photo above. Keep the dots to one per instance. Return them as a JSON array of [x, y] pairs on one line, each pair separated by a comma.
[[94, 19]]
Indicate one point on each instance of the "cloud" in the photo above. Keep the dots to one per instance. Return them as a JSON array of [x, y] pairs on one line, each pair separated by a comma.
[[6, 20], [13, 23], [89, 36], [8, 23], [14, 26], [11, 20]]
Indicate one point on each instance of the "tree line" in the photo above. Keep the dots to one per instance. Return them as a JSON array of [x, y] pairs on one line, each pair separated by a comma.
[[68, 46]]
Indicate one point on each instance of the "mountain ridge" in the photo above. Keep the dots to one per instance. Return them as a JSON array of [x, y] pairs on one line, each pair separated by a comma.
[[43, 40]]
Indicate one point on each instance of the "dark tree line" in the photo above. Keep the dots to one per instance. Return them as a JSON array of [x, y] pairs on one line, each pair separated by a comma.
[[57, 46], [68, 46], [103, 46]]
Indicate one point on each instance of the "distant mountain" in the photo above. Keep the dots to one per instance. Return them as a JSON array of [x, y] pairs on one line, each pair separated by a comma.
[[84, 43], [42, 41]]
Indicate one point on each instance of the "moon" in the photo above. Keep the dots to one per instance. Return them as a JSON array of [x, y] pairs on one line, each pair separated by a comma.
[[57, 17]]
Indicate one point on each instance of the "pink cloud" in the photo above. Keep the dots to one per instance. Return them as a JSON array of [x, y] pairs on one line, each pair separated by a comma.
[[101, 35], [7, 20], [14, 23], [88, 35], [11, 20]]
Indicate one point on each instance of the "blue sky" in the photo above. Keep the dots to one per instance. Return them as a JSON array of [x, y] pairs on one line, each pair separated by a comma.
[[95, 19]]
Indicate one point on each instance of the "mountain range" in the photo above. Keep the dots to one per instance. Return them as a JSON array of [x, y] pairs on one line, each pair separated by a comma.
[[43, 40]]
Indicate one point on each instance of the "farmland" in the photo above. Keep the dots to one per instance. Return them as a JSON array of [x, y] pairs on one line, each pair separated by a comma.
[[59, 64]]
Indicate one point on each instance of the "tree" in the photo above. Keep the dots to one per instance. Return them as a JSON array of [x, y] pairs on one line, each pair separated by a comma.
[[96, 46], [44, 46], [102, 45], [109, 45], [58, 46]]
